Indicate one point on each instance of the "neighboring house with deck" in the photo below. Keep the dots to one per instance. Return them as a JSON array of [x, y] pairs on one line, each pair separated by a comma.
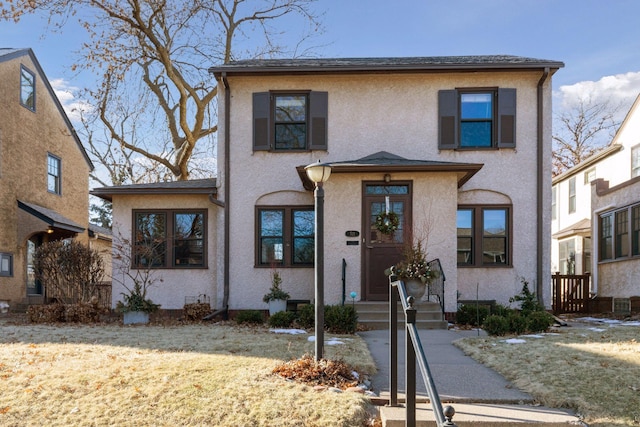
[[596, 217], [44, 174], [457, 148]]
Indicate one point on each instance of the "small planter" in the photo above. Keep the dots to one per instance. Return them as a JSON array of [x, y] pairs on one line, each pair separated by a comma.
[[415, 288], [135, 317], [276, 306]]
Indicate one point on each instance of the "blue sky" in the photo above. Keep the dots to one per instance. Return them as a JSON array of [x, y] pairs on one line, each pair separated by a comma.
[[599, 41]]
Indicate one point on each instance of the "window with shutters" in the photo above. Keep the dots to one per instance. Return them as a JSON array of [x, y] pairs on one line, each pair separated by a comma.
[[477, 119], [290, 121]]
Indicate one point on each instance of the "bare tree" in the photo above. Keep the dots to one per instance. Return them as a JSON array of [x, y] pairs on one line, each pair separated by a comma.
[[155, 96], [580, 132]]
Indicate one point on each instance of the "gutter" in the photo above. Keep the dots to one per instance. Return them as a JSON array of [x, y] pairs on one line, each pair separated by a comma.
[[540, 189], [227, 189]]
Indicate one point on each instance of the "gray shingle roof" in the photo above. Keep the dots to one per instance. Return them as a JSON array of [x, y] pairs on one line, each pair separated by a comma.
[[413, 64], [51, 217], [195, 186]]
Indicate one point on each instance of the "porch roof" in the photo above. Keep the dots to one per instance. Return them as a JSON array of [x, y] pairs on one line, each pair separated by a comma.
[[386, 162], [194, 186], [580, 228], [51, 217]]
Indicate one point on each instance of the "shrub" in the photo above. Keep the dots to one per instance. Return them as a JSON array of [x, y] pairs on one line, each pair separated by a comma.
[[539, 321], [496, 325], [527, 299], [282, 319], [501, 310], [340, 319], [517, 322], [250, 316], [468, 314], [307, 316]]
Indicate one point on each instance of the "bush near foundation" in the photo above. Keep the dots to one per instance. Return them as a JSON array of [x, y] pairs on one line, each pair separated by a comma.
[[70, 313]]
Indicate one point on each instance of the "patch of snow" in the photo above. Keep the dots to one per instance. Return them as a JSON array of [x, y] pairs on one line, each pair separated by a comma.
[[334, 341], [288, 331], [532, 336], [597, 329], [514, 341]]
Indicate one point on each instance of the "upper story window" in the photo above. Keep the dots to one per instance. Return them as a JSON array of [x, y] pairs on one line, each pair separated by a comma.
[[572, 194], [170, 239], [53, 174], [589, 175], [635, 161], [484, 236], [27, 89], [290, 121], [285, 236], [477, 118]]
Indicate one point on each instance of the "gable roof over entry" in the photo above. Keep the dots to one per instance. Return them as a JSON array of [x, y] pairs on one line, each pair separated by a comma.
[[386, 162]]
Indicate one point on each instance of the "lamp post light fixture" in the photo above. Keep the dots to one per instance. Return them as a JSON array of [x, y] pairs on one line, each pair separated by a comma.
[[319, 173]]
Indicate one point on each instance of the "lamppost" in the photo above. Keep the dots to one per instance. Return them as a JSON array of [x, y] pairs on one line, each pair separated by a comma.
[[319, 174]]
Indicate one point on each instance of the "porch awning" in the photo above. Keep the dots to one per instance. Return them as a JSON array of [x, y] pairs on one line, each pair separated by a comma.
[[385, 162], [580, 228], [53, 218]]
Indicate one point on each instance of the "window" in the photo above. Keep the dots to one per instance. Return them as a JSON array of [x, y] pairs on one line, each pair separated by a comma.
[[586, 255], [290, 121], [619, 233], [170, 239], [285, 236], [476, 119], [484, 236], [635, 161], [53, 174], [567, 252], [27, 89], [6, 264], [589, 176], [554, 204], [572, 194]]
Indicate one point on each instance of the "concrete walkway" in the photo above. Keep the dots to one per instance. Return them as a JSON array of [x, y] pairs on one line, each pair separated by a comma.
[[478, 391]]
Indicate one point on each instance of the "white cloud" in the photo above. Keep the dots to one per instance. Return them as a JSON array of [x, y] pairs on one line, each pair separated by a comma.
[[66, 94], [619, 90]]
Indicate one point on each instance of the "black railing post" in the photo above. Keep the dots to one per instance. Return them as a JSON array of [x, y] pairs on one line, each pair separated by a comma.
[[410, 365], [393, 341]]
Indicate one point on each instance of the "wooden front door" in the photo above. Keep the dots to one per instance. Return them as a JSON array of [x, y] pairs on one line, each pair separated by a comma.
[[382, 250]]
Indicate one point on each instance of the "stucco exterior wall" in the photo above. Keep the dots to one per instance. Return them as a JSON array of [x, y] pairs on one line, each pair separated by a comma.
[[26, 138], [171, 285], [616, 278], [398, 114]]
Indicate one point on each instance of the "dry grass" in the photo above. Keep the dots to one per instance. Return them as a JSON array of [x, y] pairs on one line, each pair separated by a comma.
[[594, 372], [187, 375]]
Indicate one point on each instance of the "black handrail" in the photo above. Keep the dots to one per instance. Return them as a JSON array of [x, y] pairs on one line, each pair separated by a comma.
[[436, 282], [413, 353]]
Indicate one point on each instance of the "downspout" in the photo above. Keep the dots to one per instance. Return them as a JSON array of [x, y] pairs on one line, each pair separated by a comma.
[[227, 187], [540, 189]]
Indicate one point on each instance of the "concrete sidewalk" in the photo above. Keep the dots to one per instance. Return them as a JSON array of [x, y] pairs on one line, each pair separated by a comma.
[[480, 395]]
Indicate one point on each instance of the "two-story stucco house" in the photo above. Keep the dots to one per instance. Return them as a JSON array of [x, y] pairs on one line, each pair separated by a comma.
[[596, 217], [458, 149], [44, 174]]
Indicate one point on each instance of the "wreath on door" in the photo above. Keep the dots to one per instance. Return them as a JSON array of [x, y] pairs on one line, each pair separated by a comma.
[[387, 222]]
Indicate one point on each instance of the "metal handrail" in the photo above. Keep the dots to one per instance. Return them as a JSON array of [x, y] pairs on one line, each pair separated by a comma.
[[435, 285], [413, 353]]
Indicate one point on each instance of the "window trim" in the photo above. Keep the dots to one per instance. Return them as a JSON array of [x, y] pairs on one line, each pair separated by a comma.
[[571, 202], [170, 248], [23, 70], [611, 242], [9, 258], [635, 171], [504, 103], [58, 177], [477, 235], [264, 120], [287, 237]]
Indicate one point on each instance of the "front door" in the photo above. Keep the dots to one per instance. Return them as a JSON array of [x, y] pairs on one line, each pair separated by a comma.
[[383, 247]]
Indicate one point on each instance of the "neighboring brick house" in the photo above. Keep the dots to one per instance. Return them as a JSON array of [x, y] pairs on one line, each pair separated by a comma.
[[44, 174], [459, 148], [602, 187]]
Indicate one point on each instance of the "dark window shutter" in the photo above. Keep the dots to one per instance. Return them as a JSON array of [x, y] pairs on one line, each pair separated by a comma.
[[318, 119], [261, 104], [448, 119], [506, 118]]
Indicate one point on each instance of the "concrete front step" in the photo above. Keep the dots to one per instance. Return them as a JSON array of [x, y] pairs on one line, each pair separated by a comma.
[[375, 315], [483, 415]]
